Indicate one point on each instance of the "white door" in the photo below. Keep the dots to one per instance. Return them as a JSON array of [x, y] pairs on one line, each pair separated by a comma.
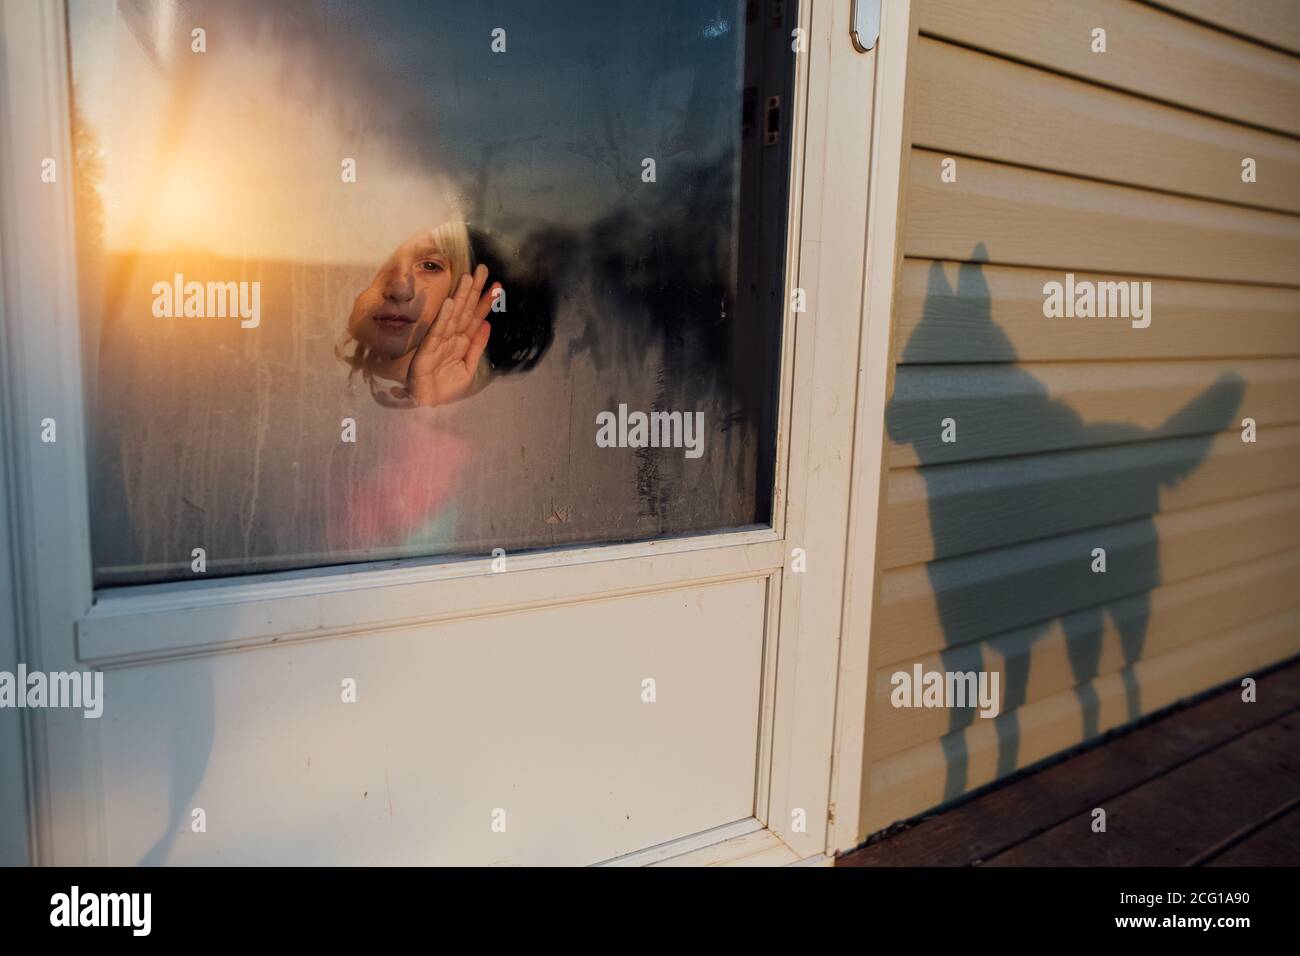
[[348, 616]]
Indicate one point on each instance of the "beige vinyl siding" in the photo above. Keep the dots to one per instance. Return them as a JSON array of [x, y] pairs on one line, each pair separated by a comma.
[[1196, 320], [1048, 220], [1149, 53], [1074, 434], [1268, 21], [973, 104], [906, 783]]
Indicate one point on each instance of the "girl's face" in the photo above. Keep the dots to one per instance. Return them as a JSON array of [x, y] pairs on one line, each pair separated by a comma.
[[393, 314]]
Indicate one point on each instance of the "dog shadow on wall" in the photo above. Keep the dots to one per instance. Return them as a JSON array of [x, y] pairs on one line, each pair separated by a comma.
[[1016, 606]]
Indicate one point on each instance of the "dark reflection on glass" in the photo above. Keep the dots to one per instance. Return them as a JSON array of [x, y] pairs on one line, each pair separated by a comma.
[[272, 212]]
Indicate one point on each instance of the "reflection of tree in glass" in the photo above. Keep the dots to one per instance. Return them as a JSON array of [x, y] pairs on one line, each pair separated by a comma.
[[667, 266], [87, 177]]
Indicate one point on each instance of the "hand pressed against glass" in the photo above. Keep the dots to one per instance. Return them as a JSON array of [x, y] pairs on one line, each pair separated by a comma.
[[447, 360]]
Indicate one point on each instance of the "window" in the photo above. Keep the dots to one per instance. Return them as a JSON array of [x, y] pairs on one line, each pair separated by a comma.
[[275, 200]]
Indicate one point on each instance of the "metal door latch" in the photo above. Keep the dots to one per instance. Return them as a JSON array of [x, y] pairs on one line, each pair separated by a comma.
[[864, 25]]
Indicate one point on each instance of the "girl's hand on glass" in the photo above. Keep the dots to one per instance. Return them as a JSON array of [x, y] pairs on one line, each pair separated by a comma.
[[445, 364]]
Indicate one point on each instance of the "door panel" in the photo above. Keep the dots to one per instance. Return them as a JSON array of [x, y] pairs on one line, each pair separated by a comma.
[[540, 715]]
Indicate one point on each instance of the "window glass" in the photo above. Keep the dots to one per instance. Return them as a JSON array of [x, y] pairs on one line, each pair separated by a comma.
[[277, 204]]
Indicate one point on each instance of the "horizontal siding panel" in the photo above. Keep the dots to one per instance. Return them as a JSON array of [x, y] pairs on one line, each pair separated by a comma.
[[991, 313], [984, 106], [1030, 218], [1148, 51], [1179, 614], [1271, 21], [998, 408], [909, 782], [992, 504], [994, 591]]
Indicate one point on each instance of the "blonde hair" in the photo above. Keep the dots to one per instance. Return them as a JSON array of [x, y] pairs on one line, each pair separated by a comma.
[[450, 239]]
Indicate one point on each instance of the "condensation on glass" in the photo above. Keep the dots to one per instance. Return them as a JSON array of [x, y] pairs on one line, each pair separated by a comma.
[[272, 199]]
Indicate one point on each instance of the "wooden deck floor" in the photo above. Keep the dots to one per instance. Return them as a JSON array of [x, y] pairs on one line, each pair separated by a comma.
[[1215, 783]]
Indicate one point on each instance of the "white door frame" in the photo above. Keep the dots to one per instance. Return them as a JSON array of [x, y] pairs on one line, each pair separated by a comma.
[[64, 625], [888, 181]]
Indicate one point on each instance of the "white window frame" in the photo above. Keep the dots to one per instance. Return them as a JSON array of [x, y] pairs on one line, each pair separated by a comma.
[[64, 624]]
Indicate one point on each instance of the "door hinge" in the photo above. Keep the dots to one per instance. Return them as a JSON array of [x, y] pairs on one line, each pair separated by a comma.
[[772, 121]]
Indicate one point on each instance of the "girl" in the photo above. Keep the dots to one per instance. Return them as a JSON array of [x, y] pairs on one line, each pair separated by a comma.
[[419, 337], [419, 329]]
